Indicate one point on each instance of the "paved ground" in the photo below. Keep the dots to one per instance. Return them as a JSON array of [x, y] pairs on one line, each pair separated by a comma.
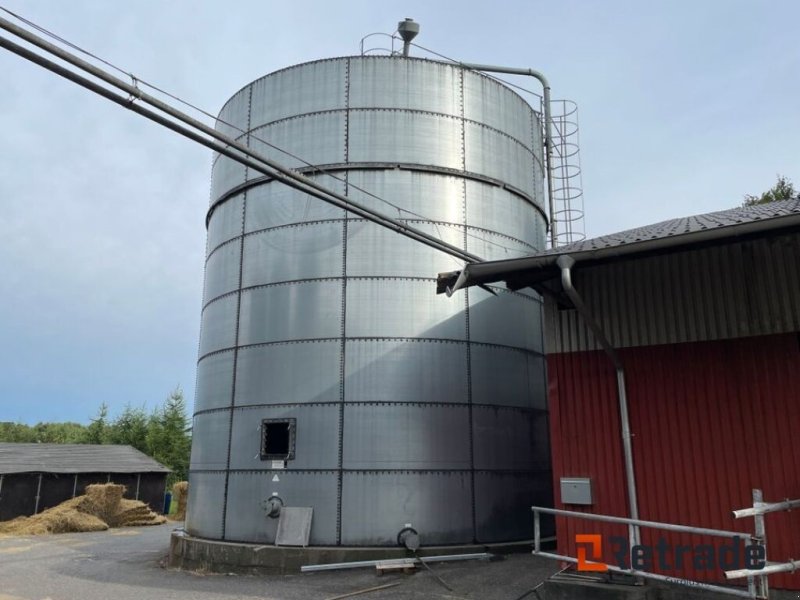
[[126, 564]]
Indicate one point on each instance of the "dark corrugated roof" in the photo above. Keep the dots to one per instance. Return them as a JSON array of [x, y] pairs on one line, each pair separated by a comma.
[[667, 236], [75, 458], [684, 225]]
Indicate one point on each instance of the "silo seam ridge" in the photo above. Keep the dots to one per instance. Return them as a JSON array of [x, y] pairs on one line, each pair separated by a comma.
[[332, 403], [471, 433], [236, 342], [343, 350], [367, 109], [364, 109], [365, 59], [373, 339], [290, 282], [379, 165], [354, 471], [301, 224]]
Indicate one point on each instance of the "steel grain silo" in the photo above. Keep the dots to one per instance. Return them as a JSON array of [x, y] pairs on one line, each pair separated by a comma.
[[330, 374]]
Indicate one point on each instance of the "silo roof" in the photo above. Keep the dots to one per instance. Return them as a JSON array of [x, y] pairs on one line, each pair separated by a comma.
[[666, 236], [75, 458]]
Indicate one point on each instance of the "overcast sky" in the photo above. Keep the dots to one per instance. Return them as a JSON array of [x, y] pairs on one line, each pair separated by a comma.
[[685, 106]]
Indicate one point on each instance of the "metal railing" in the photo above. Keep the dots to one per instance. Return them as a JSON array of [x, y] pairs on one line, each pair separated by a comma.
[[757, 579], [632, 523]]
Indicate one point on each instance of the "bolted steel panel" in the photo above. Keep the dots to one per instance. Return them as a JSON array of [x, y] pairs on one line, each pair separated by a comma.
[[377, 505], [247, 521], [406, 194], [507, 319], [232, 120], [225, 175], [289, 373], [406, 137], [406, 436], [497, 209], [307, 251], [507, 377], [274, 205], [205, 506], [381, 82], [316, 139], [225, 223], [213, 427], [495, 105], [510, 438], [214, 381], [405, 371], [503, 505], [492, 246], [222, 270], [316, 436], [374, 251], [294, 311], [401, 308], [218, 325], [490, 153], [310, 88]]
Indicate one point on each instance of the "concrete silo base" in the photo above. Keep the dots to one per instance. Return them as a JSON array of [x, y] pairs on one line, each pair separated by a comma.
[[198, 554]]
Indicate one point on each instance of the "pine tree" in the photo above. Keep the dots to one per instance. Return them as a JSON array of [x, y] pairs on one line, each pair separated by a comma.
[[130, 428], [98, 431], [167, 438]]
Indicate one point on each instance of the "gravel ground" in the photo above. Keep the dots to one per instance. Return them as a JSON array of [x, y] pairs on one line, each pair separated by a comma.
[[127, 564]]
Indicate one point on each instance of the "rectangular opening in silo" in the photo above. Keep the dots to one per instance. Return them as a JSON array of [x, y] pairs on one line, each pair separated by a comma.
[[277, 439]]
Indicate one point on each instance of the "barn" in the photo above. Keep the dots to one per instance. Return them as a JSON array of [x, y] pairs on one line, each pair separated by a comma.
[[35, 477], [697, 322]]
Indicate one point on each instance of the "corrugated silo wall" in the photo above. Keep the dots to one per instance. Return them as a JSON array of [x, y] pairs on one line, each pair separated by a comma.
[[409, 407]]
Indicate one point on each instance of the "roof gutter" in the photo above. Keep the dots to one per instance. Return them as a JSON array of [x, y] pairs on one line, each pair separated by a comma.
[[493, 271], [565, 264]]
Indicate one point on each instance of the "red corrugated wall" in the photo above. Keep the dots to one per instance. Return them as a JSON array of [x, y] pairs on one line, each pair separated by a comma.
[[711, 421]]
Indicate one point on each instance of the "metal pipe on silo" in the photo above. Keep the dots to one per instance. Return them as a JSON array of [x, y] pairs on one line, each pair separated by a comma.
[[548, 127]]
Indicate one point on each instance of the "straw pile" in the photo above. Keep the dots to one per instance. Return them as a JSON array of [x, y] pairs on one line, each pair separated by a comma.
[[102, 507], [64, 518], [180, 493]]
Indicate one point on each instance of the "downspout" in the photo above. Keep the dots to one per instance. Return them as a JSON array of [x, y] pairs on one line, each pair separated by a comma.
[[565, 263], [548, 131]]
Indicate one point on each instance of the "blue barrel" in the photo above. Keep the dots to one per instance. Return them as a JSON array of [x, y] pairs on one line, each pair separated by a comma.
[[167, 502]]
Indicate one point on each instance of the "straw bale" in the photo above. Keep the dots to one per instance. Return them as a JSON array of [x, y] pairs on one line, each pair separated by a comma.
[[180, 494]]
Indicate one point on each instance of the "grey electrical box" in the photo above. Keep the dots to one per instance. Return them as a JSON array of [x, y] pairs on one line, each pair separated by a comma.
[[576, 490]]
